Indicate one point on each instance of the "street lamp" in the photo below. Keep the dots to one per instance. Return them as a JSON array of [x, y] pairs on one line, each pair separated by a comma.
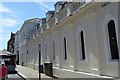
[[39, 50]]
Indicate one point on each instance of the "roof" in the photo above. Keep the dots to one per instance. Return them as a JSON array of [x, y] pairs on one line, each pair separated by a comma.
[[36, 20], [5, 52]]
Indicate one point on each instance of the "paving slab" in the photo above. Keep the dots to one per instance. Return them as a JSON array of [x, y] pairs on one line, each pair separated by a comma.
[[28, 73]]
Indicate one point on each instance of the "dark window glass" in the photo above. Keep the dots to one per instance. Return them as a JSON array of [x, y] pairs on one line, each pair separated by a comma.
[[65, 49], [45, 51], [53, 50], [113, 40], [27, 52], [39, 49], [82, 45]]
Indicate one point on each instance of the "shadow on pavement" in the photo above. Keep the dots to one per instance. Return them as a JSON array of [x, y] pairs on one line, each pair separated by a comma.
[[54, 77]]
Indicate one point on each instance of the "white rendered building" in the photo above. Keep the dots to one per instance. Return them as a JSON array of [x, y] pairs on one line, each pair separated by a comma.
[[80, 39], [26, 30]]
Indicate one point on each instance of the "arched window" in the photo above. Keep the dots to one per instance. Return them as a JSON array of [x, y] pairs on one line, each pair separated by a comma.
[[82, 56], [65, 49], [46, 52], [113, 40], [39, 54], [53, 50]]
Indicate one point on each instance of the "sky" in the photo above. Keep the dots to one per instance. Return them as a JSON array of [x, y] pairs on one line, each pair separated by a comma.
[[13, 14]]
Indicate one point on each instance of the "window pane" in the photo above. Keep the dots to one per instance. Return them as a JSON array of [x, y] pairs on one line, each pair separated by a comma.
[[45, 51], [53, 50], [112, 40], [65, 47], [82, 45]]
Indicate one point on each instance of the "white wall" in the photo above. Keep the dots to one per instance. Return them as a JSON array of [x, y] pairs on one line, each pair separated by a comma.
[[92, 20], [104, 15]]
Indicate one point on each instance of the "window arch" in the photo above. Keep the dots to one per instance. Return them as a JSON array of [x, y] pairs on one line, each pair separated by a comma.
[[39, 49], [46, 54], [113, 40], [65, 48], [82, 44], [53, 44]]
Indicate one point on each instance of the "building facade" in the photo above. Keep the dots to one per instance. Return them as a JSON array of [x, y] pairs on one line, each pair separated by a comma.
[[80, 39], [29, 27], [10, 43], [16, 46]]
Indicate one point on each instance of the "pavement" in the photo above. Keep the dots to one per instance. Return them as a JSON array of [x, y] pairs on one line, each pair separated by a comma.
[[29, 74], [14, 76]]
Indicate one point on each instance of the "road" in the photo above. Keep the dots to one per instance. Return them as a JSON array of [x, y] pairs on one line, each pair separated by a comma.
[[14, 77]]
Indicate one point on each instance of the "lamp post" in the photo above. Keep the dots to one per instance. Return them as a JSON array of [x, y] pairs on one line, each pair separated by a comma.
[[39, 50], [119, 37]]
